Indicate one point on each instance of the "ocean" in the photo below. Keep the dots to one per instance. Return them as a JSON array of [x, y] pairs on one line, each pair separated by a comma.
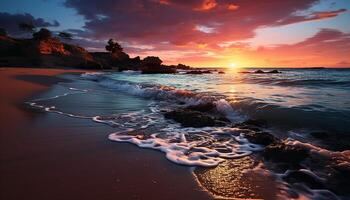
[[293, 104], [296, 99]]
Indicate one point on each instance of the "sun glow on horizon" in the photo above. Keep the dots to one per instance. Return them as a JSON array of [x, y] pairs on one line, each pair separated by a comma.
[[233, 65]]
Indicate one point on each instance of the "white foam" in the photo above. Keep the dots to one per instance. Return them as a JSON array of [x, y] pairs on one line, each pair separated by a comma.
[[184, 152], [94, 76], [131, 72], [304, 192], [340, 155], [161, 92], [205, 147], [171, 93], [35, 103], [225, 108]]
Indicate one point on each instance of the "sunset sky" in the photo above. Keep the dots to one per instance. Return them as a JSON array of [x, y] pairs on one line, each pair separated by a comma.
[[201, 33]]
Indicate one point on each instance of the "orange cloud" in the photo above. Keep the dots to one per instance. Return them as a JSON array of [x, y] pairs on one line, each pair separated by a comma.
[[232, 6], [207, 5], [166, 2]]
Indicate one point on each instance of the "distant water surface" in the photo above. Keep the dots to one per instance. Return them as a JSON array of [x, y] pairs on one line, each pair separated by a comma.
[[295, 98]]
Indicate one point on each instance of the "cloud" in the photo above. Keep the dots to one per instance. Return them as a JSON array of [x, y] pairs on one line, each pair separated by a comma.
[[325, 48], [328, 47], [232, 6], [175, 21], [205, 29], [10, 22], [192, 25], [166, 2], [207, 5], [343, 64], [312, 17]]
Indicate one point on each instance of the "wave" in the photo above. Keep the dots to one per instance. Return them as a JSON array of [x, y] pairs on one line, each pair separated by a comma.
[[206, 147], [296, 81], [167, 93], [238, 110], [313, 82], [308, 116]]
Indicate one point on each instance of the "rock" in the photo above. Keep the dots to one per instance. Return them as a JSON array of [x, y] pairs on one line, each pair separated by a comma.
[[221, 72], [151, 61], [182, 66], [199, 72], [50, 46], [254, 122], [304, 177], [259, 71], [202, 107], [190, 118], [281, 152], [339, 179], [275, 71], [251, 124], [43, 52], [158, 70], [153, 65], [263, 138], [47, 51]]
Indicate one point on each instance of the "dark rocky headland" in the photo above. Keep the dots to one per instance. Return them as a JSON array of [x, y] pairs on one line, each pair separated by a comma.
[[44, 50]]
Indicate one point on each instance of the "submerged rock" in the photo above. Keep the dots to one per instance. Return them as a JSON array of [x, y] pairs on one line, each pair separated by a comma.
[[254, 122], [339, 179], [263, 138], [251, 124], [191, 118], [202, 107], [275, 71], [284, 153], [305, 177], [259, 71]]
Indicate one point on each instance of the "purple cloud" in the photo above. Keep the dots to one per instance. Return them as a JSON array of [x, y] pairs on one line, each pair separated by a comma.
[[10, 22]]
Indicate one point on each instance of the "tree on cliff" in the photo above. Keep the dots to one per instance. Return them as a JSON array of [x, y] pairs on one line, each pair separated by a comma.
[[42, 34], [27, 27], [65, 35], [113, 47], [152, 61]]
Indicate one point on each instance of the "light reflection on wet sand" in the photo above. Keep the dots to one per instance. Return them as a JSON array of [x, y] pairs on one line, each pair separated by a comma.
[[234, 179]]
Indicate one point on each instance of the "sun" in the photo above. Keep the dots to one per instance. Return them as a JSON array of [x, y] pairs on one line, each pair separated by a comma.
[[232, 65]]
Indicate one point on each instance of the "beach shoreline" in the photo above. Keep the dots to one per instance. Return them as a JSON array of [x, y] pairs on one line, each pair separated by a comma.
[[49, 156]]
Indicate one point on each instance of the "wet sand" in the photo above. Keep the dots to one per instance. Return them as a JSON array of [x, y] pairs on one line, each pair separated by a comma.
[[48, 156]]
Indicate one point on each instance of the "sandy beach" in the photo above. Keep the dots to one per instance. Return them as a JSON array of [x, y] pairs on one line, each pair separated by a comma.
[[49, 156]]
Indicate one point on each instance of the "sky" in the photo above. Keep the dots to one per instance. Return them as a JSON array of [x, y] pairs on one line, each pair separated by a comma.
[[200, 33]]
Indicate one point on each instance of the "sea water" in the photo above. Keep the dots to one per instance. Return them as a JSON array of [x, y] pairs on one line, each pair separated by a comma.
[[294, 102]]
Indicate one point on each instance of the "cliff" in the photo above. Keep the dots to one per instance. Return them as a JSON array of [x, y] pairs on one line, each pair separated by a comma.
[[49, 52]]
